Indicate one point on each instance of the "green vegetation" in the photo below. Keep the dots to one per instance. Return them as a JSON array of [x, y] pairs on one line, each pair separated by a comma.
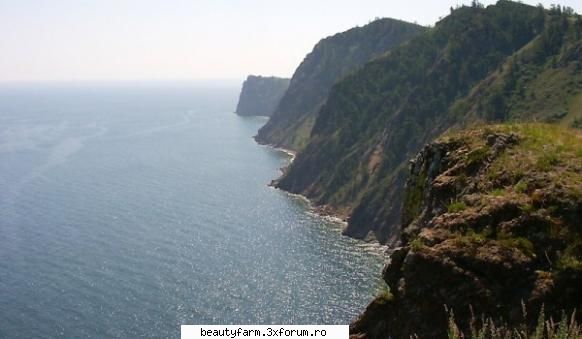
[[544, 161], [527, 65], [413, 198], [478, 155], [331, 59], [521, 187], [526, 208], [572, 257], [456, 207], [500, 203], [541, 81], [521, 243], [417, 244], [515, 235], [384, 296], [471, 238], [544, 147], [498, 192]]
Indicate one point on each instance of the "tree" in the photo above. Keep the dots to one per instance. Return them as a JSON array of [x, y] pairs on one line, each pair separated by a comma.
[[495, 106], [568, 10], [476, 4], [578, 26]]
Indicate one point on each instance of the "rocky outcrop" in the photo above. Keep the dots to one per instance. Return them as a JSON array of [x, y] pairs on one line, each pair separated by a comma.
[[491, 224], [261, 95]]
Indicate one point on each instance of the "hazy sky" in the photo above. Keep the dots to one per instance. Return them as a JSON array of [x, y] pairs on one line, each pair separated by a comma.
[[46, 40]]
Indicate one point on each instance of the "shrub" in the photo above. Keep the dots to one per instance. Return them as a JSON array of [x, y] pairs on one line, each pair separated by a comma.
[[526, 208], [416, 244], [384, 295], [521, 243], [498, 192], [521, 187], [478, 156], [546, 161], [456, 207]]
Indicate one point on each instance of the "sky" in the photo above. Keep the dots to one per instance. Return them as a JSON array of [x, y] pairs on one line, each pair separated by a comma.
[[77, 40]]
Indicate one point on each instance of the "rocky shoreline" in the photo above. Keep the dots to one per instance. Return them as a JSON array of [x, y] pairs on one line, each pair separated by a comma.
[[327, 212]]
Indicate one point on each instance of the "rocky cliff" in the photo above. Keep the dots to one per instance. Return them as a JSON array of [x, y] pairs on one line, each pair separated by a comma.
[[491, 221], [260, 95], [507, 61], [331, 59]]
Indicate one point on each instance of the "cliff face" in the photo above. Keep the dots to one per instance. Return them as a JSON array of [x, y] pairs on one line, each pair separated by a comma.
[[331, 59], [507, 61], [491, 219], [260, 95]]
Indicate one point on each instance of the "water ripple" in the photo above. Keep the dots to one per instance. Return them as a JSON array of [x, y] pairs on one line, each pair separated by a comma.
[[126, 218]]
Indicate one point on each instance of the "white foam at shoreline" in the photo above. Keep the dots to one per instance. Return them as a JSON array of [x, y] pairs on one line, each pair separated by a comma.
[[372, 246]]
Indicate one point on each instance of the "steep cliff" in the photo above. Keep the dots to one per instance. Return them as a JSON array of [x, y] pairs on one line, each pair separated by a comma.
[[260, 95], [507, 61], [331, 59], [491, 221]]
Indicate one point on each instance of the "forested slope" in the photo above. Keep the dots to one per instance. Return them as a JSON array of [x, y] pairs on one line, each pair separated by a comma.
[[494, 63], [331, 59]]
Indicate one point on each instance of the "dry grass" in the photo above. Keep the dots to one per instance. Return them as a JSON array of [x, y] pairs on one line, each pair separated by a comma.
[[486, 328]]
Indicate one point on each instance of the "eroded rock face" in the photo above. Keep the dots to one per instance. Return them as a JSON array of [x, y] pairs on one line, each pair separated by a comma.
[[487, 226]]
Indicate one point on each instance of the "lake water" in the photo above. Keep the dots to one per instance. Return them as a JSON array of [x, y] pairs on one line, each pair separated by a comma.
[[129, 209]]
